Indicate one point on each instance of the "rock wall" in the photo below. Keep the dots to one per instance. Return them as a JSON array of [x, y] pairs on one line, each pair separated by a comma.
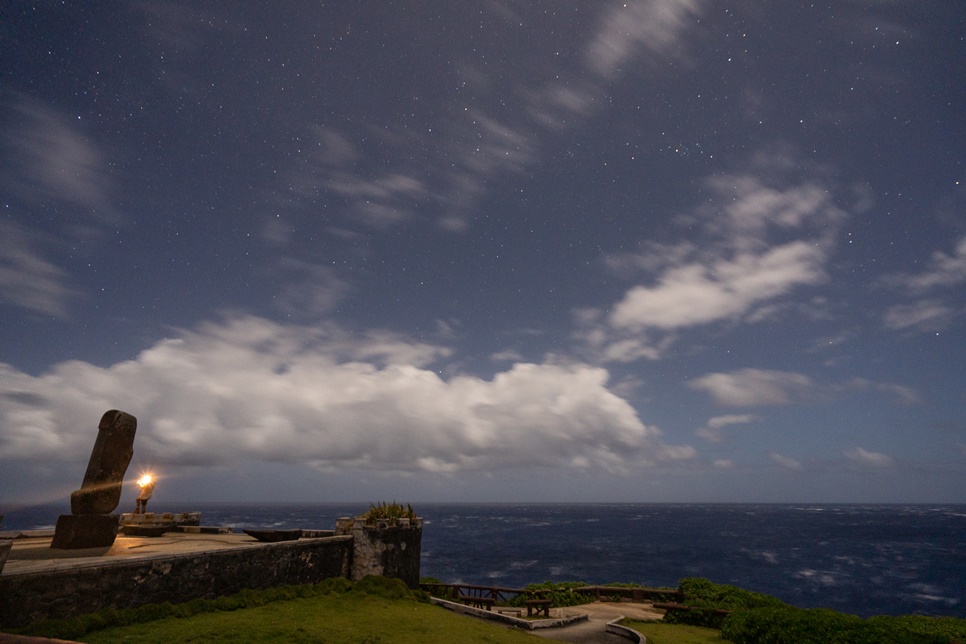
[[383, 549], [125, 584]]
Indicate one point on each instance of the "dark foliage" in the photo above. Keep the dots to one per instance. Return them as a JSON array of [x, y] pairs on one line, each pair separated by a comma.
[[76, 627]]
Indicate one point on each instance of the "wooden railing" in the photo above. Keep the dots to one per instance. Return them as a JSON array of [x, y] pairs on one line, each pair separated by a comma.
[[483, 596], [638, 595]]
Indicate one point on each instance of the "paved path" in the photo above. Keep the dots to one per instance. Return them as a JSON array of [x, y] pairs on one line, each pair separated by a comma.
[[594, 630]]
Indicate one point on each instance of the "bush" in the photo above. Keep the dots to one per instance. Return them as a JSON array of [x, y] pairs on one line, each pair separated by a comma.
[[386, 587], [706, 594], [790, 625], [708, 599], [559, 593], [388, 512]]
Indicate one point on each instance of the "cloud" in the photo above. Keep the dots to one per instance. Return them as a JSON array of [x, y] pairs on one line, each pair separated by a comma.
[[900, 393], [866, 458], [924, 315], [331, 165], [786, 461], [49, 163], [699, 293], [943, 271], [310, 291], [762, 387], [497, 125], [507, 355], [26, 278], [928, 313], [249, 389], [756, 239], [639, 29], [756, 387], [712, 430], [55, 161]]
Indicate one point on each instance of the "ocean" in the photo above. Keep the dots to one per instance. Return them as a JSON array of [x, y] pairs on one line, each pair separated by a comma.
[[861, 559]]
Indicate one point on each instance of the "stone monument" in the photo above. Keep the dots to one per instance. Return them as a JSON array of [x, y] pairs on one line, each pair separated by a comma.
[[91, 523]]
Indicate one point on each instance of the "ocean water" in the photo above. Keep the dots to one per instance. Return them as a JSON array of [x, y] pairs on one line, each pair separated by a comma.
[[862, 559]]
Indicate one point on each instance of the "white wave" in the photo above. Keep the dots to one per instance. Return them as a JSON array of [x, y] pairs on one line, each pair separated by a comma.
[[818, 577]]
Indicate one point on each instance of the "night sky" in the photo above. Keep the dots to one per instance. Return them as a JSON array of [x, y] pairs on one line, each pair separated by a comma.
[[656, 250]]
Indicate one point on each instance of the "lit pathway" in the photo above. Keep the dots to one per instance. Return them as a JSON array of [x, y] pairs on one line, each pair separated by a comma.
[[594, 630]]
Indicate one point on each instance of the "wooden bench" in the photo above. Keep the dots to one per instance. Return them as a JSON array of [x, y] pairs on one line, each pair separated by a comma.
[[478, 602], [538, 605]]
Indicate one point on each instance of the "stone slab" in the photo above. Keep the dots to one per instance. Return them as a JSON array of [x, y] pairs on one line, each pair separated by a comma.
[[113, 449], [77, 531]]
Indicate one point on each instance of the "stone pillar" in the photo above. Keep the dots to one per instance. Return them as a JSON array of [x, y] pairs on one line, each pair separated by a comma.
[[91, 524], [384, 550]]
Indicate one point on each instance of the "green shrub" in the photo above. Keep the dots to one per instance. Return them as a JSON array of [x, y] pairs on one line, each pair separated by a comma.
[[388, 512], [562, 593], [707, 594], [385, 587], [707, 599], [790, 625]]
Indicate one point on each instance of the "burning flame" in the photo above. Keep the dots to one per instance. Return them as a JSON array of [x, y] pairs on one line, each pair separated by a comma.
[[145, 480]]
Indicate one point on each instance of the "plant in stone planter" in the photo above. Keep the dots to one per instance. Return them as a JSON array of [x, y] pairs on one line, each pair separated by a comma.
[[389, 513]]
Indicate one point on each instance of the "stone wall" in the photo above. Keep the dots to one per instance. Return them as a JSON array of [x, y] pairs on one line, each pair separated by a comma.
[[128, 583], [383, 549]]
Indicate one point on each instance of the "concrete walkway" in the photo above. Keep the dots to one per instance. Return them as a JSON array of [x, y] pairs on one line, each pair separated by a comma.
[[599, 614], [587, 623]]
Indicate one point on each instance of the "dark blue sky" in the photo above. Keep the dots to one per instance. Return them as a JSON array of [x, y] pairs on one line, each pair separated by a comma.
[[663, 250]]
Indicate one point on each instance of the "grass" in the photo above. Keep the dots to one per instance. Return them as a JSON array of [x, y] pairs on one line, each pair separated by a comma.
[[658, 633], [331, 618], [376, 609]]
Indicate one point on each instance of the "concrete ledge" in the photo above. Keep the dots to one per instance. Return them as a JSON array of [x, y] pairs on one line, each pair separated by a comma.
[[28, 534], [153, 570], [496, 616], [614, 626]]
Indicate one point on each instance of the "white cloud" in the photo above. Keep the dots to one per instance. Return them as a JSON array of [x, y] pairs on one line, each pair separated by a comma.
[[943, 271], [785, 461], [762, 387], [900, 393], [751, 207], [743, 251], [55, 161], [313, 291], [248, 388], [630, 350], [50, 163], [507, 355], [497, 128], [928, 313], [712, 430], [924, 315], [26, 278], [756, 387], [332, 165], [652, 28], [701, 293], [866, 458]]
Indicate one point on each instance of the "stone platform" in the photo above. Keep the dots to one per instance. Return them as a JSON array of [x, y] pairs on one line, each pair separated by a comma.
[[40, 582], [31, 552]]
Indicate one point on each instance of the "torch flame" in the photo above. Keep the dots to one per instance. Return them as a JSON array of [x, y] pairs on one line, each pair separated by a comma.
[[145, 480]]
